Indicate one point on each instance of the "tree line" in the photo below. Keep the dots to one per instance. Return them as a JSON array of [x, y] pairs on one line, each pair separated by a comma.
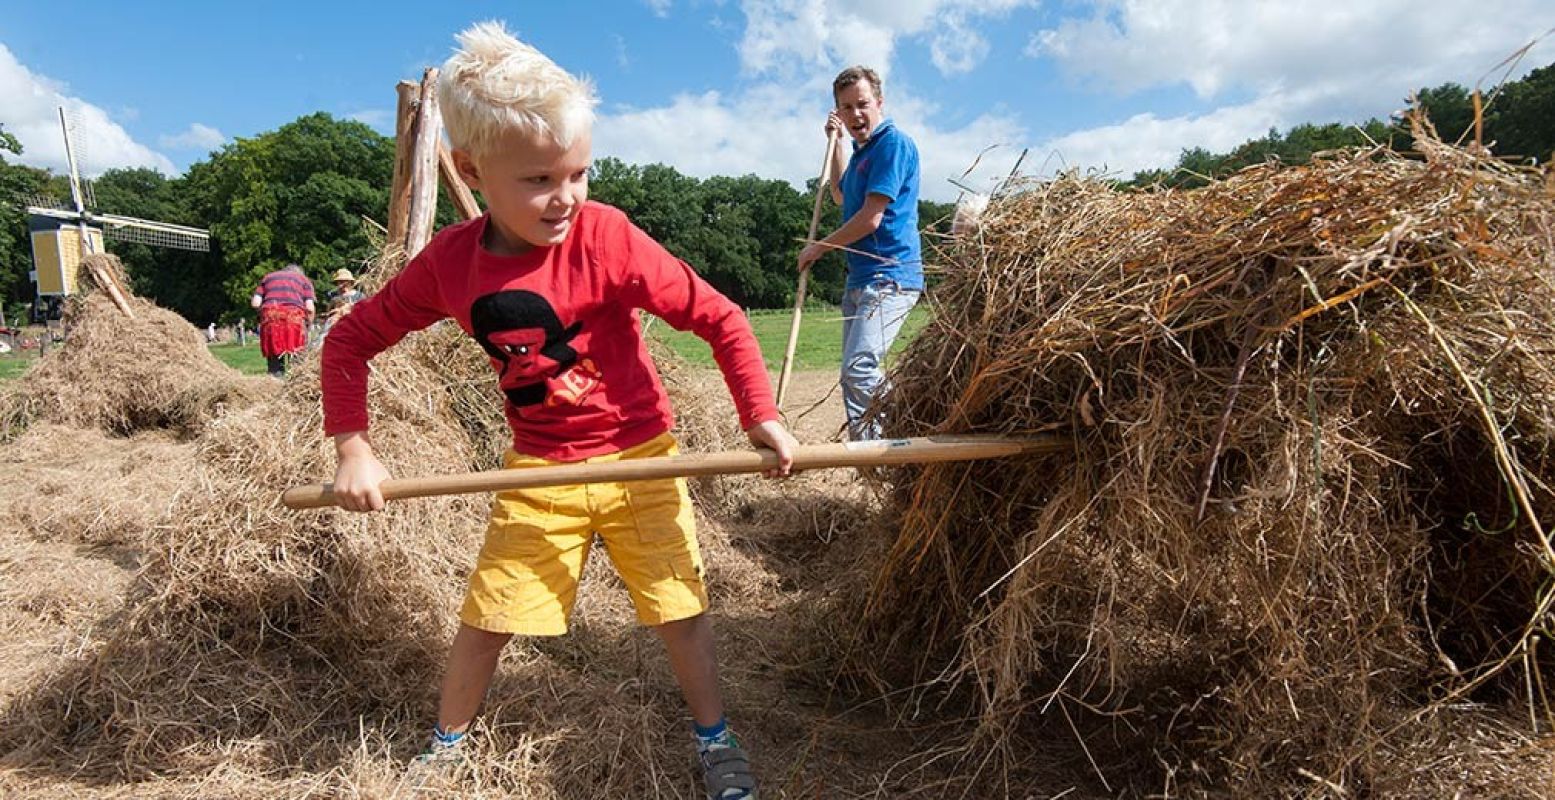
[[1518, 122], [305, 192]]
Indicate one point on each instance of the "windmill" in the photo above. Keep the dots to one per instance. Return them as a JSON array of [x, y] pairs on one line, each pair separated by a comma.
[[63, 236]]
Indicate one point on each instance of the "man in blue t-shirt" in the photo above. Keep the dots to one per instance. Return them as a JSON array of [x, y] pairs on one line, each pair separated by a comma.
[[879, 197]]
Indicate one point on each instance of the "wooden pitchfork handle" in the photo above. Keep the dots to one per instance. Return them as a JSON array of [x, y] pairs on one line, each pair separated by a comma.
[[804, 274], [882, 452]]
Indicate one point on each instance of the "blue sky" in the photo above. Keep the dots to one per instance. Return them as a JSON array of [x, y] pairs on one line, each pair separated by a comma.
[[726, 87]]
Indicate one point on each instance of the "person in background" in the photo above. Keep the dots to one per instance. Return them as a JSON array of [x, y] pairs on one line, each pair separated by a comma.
[[345, 294], [284, 299], [878, 192], [340, 299]]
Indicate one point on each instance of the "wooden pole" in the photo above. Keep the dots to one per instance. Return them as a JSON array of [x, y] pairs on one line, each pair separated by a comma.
[[423, 167], [873, 453], [804, 274], [404, 140], [458, 191], [102, 272]]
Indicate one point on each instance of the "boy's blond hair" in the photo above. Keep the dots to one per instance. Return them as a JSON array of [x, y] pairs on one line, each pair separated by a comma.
[[495, 84]]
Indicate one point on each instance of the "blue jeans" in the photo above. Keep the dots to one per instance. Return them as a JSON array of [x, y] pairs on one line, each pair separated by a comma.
[[871, 317]]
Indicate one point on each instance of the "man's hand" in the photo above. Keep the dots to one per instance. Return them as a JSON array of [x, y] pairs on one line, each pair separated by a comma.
[[359, 474], [772, 434], [834, 126], [810, 254]]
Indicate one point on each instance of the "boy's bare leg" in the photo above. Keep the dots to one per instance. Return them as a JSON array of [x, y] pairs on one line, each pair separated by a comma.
[[690, 646], [471, 662]]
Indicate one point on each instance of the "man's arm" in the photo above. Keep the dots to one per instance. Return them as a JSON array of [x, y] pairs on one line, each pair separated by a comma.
[[839, 156], [863, 222]]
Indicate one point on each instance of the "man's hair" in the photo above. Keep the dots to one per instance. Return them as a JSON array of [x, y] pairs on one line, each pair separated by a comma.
[[495, 84], [853, 75]]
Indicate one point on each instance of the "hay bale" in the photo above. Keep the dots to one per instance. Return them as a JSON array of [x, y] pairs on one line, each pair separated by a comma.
[[1288, 523], [121, 375]]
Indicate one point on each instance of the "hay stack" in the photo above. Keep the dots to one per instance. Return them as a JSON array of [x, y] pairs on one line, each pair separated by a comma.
[[121, 374], [296, 652], [1309, 497]]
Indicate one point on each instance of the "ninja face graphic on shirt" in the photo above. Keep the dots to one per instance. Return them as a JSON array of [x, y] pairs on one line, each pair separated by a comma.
[[531, 350]]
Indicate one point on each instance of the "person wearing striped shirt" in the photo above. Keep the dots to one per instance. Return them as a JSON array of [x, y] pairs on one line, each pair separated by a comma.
[[284, 299]]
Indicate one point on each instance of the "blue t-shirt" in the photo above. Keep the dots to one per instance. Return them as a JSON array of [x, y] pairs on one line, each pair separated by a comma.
[[887, 165]]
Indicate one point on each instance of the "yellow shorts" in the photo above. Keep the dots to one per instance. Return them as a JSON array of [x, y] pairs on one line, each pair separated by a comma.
[[526, 577]]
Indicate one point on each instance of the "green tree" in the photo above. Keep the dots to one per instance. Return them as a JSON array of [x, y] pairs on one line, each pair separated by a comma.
[[1450, 109], [16, 183], [1522, 119], [173, 278], [293, 195]]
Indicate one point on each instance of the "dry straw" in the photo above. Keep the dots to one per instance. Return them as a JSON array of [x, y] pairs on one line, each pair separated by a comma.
[[122, 374], [261, 652], [1309, 500]]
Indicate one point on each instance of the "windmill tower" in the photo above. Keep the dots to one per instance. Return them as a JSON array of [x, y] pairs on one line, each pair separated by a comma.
[[64, 235]]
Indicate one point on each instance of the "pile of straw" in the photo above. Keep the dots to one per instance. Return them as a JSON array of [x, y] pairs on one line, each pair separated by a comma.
[[1309, 499], [123, 374], [299, 652]]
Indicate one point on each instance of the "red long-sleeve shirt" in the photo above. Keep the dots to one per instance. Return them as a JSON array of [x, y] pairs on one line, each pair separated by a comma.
[[561, 328]]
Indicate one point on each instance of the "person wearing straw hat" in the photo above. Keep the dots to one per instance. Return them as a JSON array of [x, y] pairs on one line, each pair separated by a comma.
[[341, 298], [878, 193]]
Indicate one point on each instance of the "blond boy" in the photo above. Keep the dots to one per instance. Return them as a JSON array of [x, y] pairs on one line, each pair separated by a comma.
[[549, 285]]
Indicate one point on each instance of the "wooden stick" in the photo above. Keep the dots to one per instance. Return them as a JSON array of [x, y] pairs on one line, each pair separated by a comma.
[[804, 274], [105, 278], [404, 141], [874, 453], [458, 190], [423, 167]]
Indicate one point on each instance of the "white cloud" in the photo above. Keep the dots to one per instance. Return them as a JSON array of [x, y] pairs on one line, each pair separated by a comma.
[[29, 110], [197, 137], [660, 8], [1146, 141], [784, 35], [790, 51], [1328, 58], [714, 134], [381, 119], [957, 47]]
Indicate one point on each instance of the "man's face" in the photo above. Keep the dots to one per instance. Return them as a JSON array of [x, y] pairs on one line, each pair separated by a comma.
[[533, 188], [860, 109]]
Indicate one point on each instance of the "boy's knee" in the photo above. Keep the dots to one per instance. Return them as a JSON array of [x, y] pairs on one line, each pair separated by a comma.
[[483, 641]]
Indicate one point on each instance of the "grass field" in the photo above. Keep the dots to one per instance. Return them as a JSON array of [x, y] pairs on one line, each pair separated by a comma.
[[245, 359], [820, 337], [820, 343], [13, 363]]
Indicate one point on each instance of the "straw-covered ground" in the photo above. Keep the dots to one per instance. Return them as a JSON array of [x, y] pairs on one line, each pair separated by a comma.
[[1299, 546], [1301, 542], [170, 631]]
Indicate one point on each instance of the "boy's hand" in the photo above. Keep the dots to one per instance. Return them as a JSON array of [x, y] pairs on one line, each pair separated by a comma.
[[772, 434], [359, 475]]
